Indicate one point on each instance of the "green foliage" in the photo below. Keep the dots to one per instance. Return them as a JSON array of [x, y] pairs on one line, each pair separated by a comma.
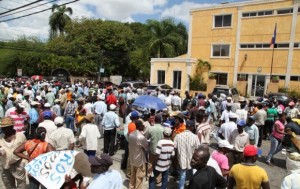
[[196, 84], [283, 90], [294, 94]]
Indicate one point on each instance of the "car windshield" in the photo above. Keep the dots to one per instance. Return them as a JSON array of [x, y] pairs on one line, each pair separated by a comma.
[[151, 87], [220, 90]]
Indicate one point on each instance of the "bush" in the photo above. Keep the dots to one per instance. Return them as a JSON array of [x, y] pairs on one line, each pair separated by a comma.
[[294, 94], [197, 84], [283, 90]]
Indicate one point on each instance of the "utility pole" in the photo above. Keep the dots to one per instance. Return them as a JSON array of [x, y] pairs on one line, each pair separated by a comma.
[[101, 64]]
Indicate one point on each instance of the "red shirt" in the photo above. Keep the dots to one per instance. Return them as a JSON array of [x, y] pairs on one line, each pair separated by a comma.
[[19, 120], [111, 99]]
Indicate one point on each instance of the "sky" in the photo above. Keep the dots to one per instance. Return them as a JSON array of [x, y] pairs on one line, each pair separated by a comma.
[[119, 10]]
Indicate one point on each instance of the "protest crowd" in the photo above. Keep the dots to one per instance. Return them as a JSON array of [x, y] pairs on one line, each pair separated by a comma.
[[162, 134]]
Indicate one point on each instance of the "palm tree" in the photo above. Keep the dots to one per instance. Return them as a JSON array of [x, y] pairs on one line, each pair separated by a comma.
[[166, 38], [202, 66], [59, 19]]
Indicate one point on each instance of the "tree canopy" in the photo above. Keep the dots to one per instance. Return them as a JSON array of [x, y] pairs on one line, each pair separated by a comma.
[[86, 44]]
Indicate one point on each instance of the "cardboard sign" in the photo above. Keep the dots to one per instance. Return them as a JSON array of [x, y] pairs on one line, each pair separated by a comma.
[[50, 168]]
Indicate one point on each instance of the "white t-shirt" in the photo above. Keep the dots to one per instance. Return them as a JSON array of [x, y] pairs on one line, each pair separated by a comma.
[[50, 128], [89, 136], [227, 128], [88, 108]]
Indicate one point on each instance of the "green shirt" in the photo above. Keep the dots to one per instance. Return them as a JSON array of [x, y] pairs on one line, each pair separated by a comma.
[[155, 134], [271, 114]]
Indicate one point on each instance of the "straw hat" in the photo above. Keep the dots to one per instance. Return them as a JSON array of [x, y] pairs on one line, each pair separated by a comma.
[[89, 117], [6, 122]]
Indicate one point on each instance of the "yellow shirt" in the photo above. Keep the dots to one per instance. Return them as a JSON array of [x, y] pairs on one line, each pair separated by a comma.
[[296, 120], [248, 177]]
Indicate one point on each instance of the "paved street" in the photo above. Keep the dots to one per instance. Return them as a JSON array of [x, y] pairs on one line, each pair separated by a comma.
[[276, 173]]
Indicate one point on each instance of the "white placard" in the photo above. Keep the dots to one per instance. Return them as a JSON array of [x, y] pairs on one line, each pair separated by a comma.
[[50, 168]]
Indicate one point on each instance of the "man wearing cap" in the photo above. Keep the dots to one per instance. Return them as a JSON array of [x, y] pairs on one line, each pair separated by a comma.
[[89, 136], [239, 139], [252, 131], [111, 98], [291, 111], [185, 144], [20, 118], [48, 124], [26, 102], [62, 138], [33, 118], [260, 117], [162, 159], [47, 108], [227, 128], [13, 172], [176, 102], [247, 174], [179, 125], [69, 114], [220, 156], [110, 124], [50, 97], [10, 102], [138, 148], [225, 114], [99, 109], [56, 108], [103, 176]]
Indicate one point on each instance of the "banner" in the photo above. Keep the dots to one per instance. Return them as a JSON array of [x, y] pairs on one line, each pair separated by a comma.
[[50, 168]]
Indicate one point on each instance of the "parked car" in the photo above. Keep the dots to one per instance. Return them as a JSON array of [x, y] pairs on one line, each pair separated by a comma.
[[228, 91], [133, 85], [284, 98], [162, 87]]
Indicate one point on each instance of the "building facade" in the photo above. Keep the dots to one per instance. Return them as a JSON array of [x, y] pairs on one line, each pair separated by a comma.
[[235, 39]]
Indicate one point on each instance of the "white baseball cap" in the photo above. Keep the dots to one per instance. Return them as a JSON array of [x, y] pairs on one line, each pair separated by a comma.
[[112, 107], [47, 105], [58, 120]]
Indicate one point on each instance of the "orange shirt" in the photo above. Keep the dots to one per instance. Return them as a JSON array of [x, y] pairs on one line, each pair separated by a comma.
[[131, 127], [180, 129], [35, 147]]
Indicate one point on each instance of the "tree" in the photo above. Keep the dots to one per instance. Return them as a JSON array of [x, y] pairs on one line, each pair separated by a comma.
[[196, 82], [167, 38], [59, 19]]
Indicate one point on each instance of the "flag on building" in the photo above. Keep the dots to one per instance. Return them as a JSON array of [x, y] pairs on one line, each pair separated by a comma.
[[273, 40]]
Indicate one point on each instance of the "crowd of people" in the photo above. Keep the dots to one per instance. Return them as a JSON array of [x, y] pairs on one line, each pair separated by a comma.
[[40, 117]]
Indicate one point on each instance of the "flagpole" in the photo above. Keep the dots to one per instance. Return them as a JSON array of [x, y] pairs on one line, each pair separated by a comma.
[[272, 62]]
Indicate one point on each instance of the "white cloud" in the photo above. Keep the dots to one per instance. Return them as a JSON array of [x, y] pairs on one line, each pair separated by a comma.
[[181, 11], [120, 10]]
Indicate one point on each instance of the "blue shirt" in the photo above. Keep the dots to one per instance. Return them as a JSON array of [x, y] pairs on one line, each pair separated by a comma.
[[110, 120], [111, 179], [34, 116]]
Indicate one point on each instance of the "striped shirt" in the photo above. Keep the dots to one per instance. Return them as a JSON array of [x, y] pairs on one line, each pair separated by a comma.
[[19, 120], [186, 143], [164, 150]]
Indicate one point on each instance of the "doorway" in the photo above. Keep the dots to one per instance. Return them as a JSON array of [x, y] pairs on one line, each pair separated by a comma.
[[258, 85]]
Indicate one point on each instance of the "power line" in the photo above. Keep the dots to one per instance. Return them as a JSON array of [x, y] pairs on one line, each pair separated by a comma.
[[28, 8], [35, 12], [20, 7]]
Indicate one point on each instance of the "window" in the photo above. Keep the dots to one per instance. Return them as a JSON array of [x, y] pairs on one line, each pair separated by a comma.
[[160, 76], [295, 78], [281, 77], [283, 45], [296, 45], [221, 50], [285, 11], [242, 77], [222, 21], [259, 13], [221, 78], [177, 79], [299, 9]]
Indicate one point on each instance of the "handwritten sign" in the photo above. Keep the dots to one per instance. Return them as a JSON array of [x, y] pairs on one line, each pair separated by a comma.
[[50, 168]]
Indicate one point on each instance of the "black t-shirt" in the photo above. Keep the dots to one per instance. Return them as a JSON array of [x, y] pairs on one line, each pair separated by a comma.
[[207, 178]]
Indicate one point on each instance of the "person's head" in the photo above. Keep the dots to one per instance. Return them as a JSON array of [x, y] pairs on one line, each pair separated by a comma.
[[47, 106], [190, 125], [72, 100], [240, 126], [167, 132], [59, 121], [250, 153], [26, 96], [229, 99], [200, 158], [134, 115], [7, 126], [89, 118], [224, 146], [157, 119], [281, 118], [165, 115], [139, 125], [288, 119], [20, 108], [80, 101], [100, 163], [178, 119], [260, 106], [40, 133], [34, 104], [251, 120], [291, 104], [112, 107], [228, 106], [232, 117]]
